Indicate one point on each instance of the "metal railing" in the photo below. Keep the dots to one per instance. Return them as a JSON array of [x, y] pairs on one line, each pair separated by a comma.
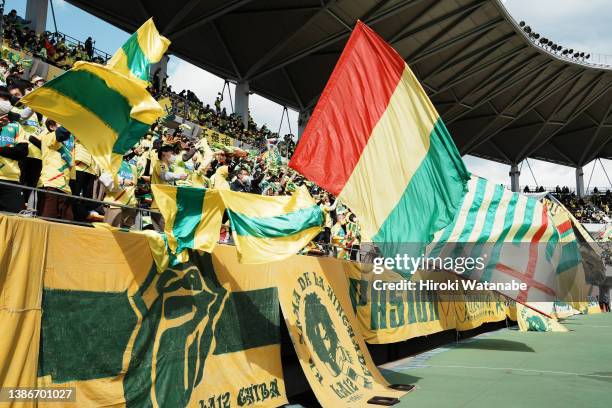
[[602, 61], [75, 42], [74, 198], [364, 254], [572, 190]]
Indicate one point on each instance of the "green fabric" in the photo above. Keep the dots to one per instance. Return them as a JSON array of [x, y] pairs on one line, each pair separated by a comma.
[[508, 220], [137, 61], [84, 334], [189, 203], [432, 197], [256, 314], [93, 94], [274, 227], [491, 212], [527, 220]]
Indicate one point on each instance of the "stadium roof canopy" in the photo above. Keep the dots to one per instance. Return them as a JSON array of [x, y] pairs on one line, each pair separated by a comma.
[[502, 97]]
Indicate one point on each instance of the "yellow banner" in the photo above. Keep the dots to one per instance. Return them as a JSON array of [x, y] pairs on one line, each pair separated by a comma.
[[204, 333], [317, 309], [393, 314], [21, 272], [530, 320], [212, 136]]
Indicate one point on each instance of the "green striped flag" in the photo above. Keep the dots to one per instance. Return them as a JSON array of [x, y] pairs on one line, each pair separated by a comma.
[[106, 111], [144, 48], [513, 234], [192, 216], [267, 228]]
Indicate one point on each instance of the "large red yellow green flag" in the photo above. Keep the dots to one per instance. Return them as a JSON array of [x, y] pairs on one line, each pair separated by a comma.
[[376, 142]]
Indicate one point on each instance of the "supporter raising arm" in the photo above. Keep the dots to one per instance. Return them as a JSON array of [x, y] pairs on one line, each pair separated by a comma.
[[13, 148]]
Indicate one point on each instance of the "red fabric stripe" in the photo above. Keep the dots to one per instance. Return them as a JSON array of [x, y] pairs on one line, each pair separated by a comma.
[[564, 226], [354, 99], [533, 256]]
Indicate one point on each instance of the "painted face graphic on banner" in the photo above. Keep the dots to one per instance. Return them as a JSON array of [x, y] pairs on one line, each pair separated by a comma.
[[178, 329], [333, 358]]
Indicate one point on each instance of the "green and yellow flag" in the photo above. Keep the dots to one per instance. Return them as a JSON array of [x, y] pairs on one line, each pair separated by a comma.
[[144, 48], [192, 216], [267, 229], [107, 112]]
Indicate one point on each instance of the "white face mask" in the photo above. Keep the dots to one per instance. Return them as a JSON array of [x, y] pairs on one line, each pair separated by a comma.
[[5, 107]]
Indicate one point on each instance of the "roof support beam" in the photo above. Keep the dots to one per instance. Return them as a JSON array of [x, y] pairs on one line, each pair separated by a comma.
[[509, 78], [179, 16], [226, 50], [293, 90], [410, 30], [548, 120], [467, 74], [205, 19], [370, 17], [595, 135], [287, 40], [560, 153], [528, 107], [576, 113], [426, 52], [500, 152], [459, 58]]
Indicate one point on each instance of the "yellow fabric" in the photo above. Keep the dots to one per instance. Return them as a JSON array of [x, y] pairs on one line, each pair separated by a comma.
[[263, 250], [123, 194], [410, 115], [212, 136], [254, 250], [206, 234], [530, 320], [219, 179], [144, 107], [152, 45], [9, 168], [56, 172], [93, 133], [120, 261], [22, 262], [572, 282], [84, 161], [396, 314], [33, 151], [317, 310]]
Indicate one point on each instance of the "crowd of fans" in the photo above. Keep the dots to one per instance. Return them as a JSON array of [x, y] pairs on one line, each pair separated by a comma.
[[50, 47], [37, 152], [596, 208], [187, 105]]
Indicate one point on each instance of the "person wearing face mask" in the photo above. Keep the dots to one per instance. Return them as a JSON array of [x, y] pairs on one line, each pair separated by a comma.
[[83, 184], [168, 171], [242, 182], [13, 148], [163, 173], [340, 239], [57, 148], [30, 121], [124, 194]]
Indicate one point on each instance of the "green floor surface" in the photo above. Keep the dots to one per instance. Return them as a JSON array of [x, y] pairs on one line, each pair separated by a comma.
[[509, 368]]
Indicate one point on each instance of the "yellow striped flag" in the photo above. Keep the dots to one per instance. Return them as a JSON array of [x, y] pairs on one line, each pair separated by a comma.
[[267, 228], [376, 141], [192, 216], [107, 112], [144, 48]]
